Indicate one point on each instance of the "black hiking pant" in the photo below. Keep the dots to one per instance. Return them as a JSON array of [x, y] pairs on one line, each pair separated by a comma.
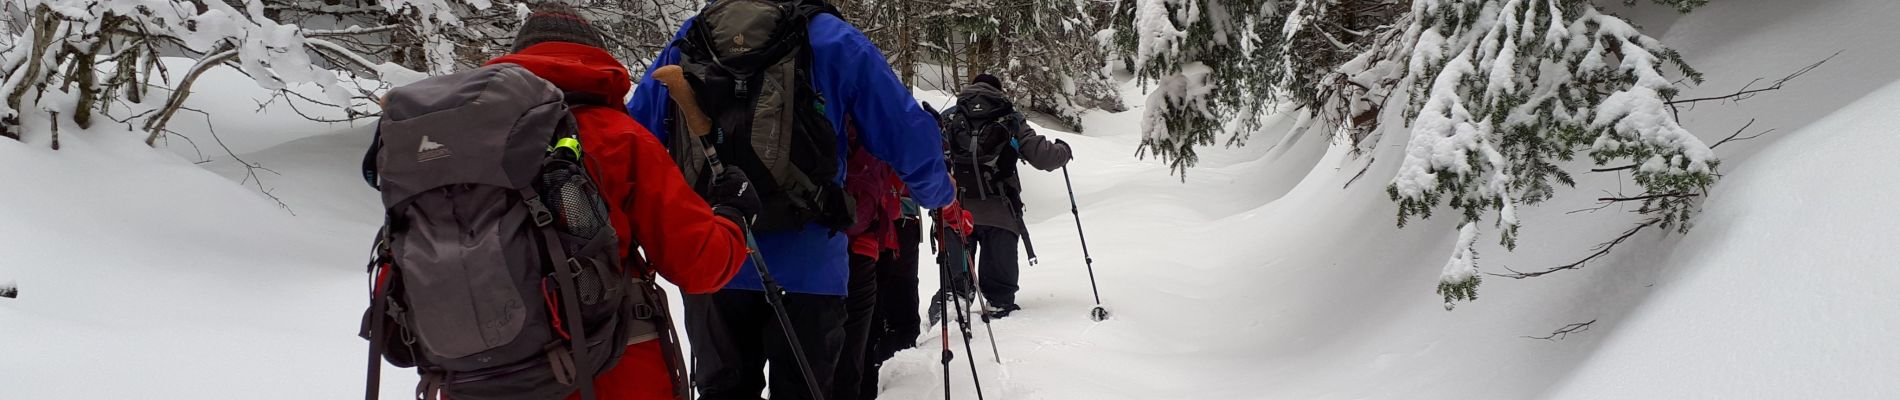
[[859, 307], [997, 271], [735, 334], [894, 323]]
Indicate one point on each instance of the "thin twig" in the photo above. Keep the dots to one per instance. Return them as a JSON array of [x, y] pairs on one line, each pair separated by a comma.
[[1612, 169], [1565, 331], [250, 168], [1602, 249], [1644, 197], [1738, 132], [1362, 171], [1745, 92]]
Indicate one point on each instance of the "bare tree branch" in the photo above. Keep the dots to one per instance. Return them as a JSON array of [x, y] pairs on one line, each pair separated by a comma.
[[1644, 197], [1738, 132], [156, 125], [250, 168], [1565, 331], [1745, 92], [1601, 250], [353, 30], [1613, 169]]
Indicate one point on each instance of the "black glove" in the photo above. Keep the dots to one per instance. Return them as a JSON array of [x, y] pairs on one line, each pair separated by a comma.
[[733, 196]]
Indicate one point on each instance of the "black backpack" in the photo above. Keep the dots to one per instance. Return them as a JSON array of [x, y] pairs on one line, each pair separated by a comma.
[[750, 63], [981, 154], [497, 274]]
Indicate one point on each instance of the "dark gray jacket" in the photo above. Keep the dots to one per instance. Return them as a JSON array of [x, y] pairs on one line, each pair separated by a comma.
[[1036, 150]]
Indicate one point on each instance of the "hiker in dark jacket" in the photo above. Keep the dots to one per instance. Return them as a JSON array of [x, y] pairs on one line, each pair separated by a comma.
[[997, 207]]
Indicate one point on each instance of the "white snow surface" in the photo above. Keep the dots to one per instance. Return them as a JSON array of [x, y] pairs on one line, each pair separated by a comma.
[[1274, 272]]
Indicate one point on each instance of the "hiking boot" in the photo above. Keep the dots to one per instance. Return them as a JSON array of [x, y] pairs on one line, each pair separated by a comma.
[[1000, 311], [936, 310]]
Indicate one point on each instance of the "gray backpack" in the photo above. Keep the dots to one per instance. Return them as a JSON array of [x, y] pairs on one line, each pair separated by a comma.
[[750, 63], [498, 273]]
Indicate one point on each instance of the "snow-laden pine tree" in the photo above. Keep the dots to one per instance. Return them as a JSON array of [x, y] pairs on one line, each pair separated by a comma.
[[1505, 91], [1497, 95], [1046, 52], [447, 36], [1050, 56], [1211, 67]]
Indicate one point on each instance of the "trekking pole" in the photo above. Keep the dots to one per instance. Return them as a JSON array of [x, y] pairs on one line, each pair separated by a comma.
[[963, 323], [1016, 210], [701, 126], [969, 259], [956, 304], [1099, 313], [943, 299], [774, 295]]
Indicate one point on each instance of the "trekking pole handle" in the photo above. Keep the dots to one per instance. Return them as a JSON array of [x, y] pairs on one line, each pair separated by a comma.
[[697, 122], [682, 93]]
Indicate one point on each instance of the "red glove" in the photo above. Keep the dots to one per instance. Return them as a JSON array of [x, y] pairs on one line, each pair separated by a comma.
[[955, 217]]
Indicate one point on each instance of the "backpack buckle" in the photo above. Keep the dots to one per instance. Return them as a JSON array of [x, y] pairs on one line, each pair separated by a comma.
[[542, 217], [643, 311]]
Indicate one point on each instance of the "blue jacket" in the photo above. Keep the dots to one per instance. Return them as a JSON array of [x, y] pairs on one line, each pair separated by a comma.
[[857, 82]]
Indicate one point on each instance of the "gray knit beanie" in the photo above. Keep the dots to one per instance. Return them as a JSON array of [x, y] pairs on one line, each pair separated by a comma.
[[556, 22]]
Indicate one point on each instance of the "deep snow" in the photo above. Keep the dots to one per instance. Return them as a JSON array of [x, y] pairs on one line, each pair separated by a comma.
[[1271, 273]]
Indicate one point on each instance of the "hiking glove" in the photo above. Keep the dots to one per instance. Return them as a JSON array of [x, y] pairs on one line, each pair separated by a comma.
[[955, 217], [733, 197]]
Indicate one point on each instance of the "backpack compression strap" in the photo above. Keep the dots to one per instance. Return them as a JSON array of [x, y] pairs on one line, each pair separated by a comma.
[[582, 372], [379, 304]]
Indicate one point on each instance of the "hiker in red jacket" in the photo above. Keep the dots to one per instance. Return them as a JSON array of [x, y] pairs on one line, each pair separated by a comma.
[[883, 280], [649, 201]]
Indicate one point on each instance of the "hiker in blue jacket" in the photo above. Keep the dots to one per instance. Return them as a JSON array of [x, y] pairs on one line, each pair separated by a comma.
[[733, 332]]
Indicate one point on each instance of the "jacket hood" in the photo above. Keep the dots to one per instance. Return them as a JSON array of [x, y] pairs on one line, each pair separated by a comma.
[[575, 68], [982, 101]]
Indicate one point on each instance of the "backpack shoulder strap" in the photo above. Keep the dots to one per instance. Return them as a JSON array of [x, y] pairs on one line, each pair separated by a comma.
[[573, 98], [809, 9]]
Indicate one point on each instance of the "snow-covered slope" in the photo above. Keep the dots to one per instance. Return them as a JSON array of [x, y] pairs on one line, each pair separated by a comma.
[[1304, 289], [143, 275], [1274, 272], [1786, 289]]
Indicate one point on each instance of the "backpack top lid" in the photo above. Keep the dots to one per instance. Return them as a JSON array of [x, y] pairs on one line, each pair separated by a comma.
[[749, 35], [449, 130], [981, 102]]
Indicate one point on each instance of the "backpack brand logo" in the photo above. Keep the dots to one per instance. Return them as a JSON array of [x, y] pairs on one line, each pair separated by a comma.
[[738, 44], [431, 151]]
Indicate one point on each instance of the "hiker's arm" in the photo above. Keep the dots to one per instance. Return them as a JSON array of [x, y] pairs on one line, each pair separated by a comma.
[[650, 104], [1040, 151], [685, 242], [892, 126]]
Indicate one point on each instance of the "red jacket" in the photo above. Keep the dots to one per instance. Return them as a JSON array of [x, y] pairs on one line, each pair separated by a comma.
[[648, 199], [878, 190]]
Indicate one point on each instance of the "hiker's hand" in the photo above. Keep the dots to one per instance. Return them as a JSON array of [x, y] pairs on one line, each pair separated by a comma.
[[733, 196], [958, 219]]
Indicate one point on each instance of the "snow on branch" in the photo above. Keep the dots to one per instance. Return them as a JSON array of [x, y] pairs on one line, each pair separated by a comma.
[[73, 57], [1497, 96], [1213, 66], [1513, 88]]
